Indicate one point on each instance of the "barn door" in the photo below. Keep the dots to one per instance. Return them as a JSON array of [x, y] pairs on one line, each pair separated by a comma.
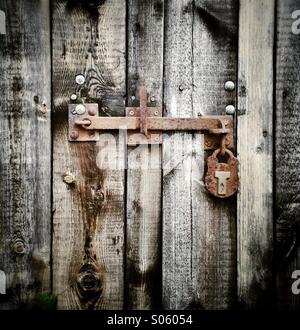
[[149, 229], [133, 227]]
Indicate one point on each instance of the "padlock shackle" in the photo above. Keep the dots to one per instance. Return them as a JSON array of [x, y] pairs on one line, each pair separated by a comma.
[[227, 151]]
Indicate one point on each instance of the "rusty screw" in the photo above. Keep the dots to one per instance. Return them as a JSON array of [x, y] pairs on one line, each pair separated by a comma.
[[19, 246], [68, 178], [74, 135]]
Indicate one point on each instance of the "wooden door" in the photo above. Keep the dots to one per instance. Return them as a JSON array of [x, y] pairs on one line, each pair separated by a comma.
[[81, 233]]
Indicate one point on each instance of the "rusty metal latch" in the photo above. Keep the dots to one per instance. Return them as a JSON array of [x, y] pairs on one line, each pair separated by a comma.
[[144, 125]]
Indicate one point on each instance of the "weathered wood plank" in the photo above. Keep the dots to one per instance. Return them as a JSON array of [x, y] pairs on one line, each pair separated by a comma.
[[214, 220], [88, 223], [255, 150], [145, 66], [25, 152], [177, 236], [287, 151], [198, 231]]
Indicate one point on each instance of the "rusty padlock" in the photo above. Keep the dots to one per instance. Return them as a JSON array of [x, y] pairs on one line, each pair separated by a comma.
[[221, 179]]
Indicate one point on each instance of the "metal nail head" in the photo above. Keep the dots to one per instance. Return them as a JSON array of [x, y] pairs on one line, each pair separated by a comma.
[[229, 86], [230, 109], [80, 109], [68, 178], [19, 246], [92, 111], [80, 80]]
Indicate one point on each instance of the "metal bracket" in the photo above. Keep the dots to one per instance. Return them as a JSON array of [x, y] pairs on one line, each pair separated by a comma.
[[145, 125], [77, 132]]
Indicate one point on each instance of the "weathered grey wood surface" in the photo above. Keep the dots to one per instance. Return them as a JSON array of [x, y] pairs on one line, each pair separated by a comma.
[[199, 233], [255, 150], [2, 22], [25, 152], [287, 152], [183, 51], [143, 244], [88, 223]]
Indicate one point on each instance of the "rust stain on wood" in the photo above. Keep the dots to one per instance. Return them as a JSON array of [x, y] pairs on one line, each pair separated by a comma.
[[90, 211]]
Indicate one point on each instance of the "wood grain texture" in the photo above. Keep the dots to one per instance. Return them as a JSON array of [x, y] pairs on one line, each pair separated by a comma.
[[145, 67], [287, 154], [255, 150], [88, 221], [25, 156], [177, 236], [214, 220], [198, 231]]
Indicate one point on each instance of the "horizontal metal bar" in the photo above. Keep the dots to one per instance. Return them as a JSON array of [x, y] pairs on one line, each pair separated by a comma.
[[110, 123], [153, 123], [183, 124]]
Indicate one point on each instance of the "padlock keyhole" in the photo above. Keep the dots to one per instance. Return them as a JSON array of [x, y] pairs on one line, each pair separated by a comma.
[[222, 178]]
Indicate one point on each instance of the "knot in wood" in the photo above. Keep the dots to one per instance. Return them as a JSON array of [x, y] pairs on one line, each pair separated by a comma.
[[89, 282]]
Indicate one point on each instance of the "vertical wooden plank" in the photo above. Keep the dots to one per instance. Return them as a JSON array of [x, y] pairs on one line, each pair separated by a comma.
[[177, 235], [287, 151], [255, 150], [25, 152], [2, 22], [145, 67], [214, 220], [88, 224], [199, 232]]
